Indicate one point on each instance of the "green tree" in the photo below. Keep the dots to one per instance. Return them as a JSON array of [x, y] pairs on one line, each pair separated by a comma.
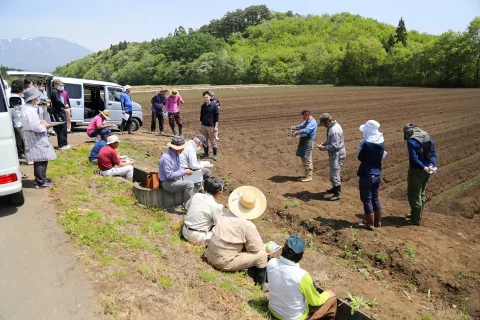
[[401, 33]]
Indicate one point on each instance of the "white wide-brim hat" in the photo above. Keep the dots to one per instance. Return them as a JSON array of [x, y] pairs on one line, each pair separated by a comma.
[[370, 124], [247, 202]]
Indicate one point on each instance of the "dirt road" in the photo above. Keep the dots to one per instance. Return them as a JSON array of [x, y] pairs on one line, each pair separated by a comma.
[[40, 277]]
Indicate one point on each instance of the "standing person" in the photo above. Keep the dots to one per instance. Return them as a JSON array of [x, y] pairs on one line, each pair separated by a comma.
[[235, 243], [171, 174], [173, 108], [335, 146], [27, 83], [44, 102], [68, 109], [158, 102], [17, 102], [213, 98], [209, 124], [127, 108], [59, 115], [423, 159], [188, 159], [291, 289], [109, 162], [370, 155], [41, 150], [307, 131], [97, 124]]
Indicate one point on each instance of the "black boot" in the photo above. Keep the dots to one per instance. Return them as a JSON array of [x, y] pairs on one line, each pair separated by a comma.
[[261, 278], [336, 193], [180, 127], [205, 155], [215, 154]]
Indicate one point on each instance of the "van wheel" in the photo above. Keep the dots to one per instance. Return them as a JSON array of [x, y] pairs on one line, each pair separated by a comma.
[[135, 124], [17, 199]]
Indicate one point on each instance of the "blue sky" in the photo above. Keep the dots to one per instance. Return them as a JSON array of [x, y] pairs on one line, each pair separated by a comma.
[[96, 24]]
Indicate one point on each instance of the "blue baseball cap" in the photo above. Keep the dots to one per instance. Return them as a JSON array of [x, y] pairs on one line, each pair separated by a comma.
[[296, 244], [105, 132]]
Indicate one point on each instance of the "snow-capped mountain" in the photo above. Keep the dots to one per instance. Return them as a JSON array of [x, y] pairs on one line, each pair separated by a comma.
[[39, 54]]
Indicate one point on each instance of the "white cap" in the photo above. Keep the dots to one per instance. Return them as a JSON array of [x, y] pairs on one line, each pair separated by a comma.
[[112, 139], [127, 87]]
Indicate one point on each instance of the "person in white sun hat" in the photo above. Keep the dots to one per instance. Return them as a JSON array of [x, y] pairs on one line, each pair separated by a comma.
[[235, 243], [109, 162]]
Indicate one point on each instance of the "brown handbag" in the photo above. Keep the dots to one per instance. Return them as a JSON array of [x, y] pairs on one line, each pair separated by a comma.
[[152, 181]]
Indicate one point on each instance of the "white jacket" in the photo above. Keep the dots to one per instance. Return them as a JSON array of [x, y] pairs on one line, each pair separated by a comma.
[[188, 158], [17, 111]]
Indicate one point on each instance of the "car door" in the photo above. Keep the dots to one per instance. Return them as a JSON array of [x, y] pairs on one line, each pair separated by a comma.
[[112, 98], [75, 93]]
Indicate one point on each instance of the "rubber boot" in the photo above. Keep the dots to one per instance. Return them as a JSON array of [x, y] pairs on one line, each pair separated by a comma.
[[370, 221], [261, 278], [378, 218], [308, 175], [215, 150], [337, 193], [180, 127], [331, 190], [205, 155]]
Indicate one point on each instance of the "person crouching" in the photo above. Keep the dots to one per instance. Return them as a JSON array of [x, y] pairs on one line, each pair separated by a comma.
[[93, 157], [109, 162], [235, 243]]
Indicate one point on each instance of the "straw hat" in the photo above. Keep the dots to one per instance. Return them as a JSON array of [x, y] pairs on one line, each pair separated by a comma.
[[177, 143], [105, 114], [174, 92], [247, 202]]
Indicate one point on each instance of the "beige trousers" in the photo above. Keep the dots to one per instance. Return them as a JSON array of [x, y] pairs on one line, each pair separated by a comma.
[[241, 261], [307, 162], [209, 134]]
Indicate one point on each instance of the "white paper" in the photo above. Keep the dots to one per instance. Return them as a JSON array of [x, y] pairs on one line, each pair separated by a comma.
[[125, 116], [205, 164], [56, 123], [196, 177], [385, 153]]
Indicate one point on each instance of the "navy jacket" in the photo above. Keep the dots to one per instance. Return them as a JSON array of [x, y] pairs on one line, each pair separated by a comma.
[[209, 114], [370, 156], [417, 154]]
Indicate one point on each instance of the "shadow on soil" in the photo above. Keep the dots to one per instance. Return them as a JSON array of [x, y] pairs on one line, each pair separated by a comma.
[[283, 179], [390, 221], [337, 224], [307, 196]]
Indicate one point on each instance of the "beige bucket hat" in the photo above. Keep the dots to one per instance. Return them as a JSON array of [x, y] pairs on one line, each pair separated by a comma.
[[247, 202]]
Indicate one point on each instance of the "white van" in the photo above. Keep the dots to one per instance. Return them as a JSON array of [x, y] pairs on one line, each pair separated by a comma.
[[88, 97], [10, 175]]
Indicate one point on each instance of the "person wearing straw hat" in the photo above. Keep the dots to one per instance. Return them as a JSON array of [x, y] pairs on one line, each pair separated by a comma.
[[127, 108], [173, 102], [109, 162], [335, 146], [158, 102], [370, 155], [203, 212], [291, 289], [171, 173], [235, 243], [97, 124], [35, 132], [307, 131]]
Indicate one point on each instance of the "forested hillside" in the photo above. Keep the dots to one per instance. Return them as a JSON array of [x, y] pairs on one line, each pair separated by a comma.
[[257, 45]]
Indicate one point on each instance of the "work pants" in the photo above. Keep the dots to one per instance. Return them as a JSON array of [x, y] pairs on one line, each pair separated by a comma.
[[327, 311], [335, 160], [369, 187], [209, 134], [40, 172], [61, 129], [417, 183], [175, 117], [127, 124], [126, 172], [174, 186], [157, 116]]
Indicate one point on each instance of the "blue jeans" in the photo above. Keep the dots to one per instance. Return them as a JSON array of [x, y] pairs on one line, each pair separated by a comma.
[[369, 186]]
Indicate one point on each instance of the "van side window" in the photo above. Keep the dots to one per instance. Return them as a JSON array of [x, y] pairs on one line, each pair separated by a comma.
[[74, 90], [114, 94]]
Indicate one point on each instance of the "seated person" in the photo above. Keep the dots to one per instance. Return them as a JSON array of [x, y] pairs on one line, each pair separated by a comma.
[[188, 158], [109, 162], [235, 243], [93, 157], [203, 211], [291, 288], [97, 124], [171, 174]]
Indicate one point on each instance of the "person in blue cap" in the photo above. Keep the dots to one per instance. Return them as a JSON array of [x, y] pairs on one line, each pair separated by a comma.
[[291, 289], [104, 133]]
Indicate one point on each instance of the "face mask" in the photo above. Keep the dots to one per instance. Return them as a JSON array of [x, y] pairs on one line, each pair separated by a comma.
[[41, 88], [60, 88], [38, 101], [197, 147]]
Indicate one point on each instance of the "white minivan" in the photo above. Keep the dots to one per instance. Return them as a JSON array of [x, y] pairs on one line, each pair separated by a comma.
[[10, 175], [88, 97]]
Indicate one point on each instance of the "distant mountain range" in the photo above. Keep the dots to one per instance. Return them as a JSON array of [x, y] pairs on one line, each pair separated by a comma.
[[42, 54]]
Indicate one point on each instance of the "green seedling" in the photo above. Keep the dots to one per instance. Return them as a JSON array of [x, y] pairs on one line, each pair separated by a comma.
[[410, 250], [357, 302]]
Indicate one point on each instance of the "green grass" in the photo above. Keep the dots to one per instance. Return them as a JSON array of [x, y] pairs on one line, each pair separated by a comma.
[[229, 286], [144, 270], [154, 227], [410, 250], [165, 282], [120, 274], [209, 276]]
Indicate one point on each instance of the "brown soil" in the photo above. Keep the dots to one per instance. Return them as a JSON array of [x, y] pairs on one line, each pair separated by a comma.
[[256, 150]]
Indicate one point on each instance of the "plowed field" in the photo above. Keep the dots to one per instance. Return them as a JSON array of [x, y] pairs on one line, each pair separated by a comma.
[[444, 269]]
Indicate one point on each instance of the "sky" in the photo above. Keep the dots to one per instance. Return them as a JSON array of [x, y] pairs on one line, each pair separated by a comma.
[[95, 24]]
